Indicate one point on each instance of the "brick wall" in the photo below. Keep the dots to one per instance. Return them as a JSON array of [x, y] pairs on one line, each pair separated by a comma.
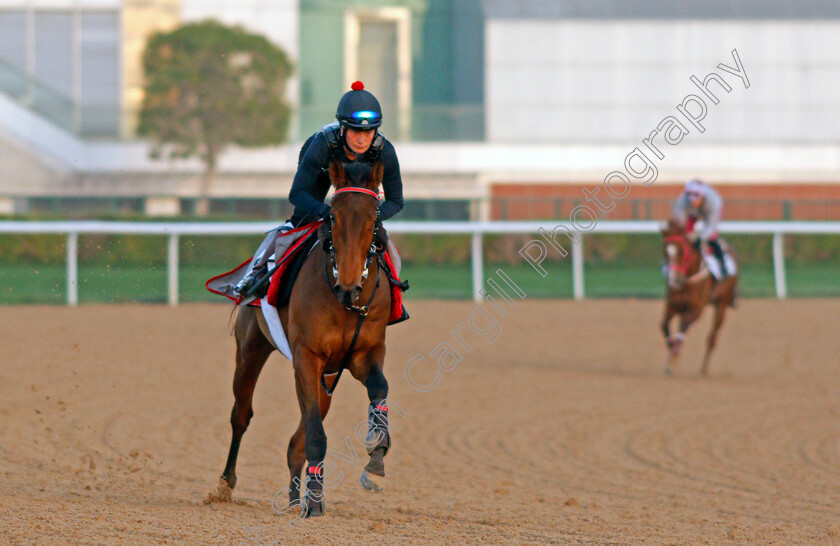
[[741, 201]]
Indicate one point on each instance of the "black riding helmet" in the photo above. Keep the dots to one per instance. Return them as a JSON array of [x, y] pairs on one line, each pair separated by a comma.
[[358, 109]]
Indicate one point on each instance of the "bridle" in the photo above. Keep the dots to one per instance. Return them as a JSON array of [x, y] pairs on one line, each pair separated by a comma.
[[371, 254], [688, 257], [371, 251]]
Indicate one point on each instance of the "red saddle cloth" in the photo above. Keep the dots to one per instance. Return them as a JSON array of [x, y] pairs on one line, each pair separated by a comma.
[[222, 284], [274, 287], [397, 314]]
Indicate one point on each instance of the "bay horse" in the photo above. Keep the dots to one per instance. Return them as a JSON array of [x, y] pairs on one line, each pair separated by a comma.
[[690, 287], [335, 319]]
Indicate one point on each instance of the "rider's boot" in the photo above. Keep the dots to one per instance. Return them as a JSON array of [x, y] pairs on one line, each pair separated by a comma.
[[718, 252], [246, 285], [259, 265]]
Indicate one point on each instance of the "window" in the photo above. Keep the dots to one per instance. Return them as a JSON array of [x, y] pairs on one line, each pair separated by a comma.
[[377, 52]]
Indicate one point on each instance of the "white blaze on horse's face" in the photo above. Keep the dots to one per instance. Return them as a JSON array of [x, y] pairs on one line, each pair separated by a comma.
[[672, 252], [352, 234]]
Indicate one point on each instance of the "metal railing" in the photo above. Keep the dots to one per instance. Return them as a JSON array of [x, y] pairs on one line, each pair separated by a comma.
[[477, 230]]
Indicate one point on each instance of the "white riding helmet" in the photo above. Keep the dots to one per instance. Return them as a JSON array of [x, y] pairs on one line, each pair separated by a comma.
[[696, 187]]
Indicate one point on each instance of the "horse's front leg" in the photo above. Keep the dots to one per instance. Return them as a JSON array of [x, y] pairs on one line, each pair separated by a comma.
[[378, 438], [296, 455], [308, 369], [673, 343]]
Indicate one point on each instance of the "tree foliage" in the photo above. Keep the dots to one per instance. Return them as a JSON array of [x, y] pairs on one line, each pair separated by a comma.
[[209, 86]]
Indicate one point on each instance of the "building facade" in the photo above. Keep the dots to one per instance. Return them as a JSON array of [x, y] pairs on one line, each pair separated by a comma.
[[422, 58], [78, 63], [486, 99], [590, 71]]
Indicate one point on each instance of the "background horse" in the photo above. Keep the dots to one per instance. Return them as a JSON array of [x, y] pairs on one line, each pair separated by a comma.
[[335, 319], [690, 287]]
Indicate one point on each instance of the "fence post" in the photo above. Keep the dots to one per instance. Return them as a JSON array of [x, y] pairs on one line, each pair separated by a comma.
[[73, 268], [779, 264], [577, 269], [172, 268], [477, 265]]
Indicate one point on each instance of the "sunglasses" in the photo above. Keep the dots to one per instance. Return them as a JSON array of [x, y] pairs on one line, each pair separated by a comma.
[[364, 115]]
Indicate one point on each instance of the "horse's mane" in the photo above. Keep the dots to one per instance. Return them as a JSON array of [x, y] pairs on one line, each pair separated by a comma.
[[356, 173]]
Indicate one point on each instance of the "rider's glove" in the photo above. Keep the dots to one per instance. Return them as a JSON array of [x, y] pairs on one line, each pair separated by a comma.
[[325, 213]]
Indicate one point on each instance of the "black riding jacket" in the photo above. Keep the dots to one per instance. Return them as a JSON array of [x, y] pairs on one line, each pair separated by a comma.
[[312, 180]]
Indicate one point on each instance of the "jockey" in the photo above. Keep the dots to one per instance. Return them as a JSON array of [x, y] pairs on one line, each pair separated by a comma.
[[355, 137], [699, 201]]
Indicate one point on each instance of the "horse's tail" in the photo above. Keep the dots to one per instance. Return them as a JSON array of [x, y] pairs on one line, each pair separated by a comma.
[[232, 317]]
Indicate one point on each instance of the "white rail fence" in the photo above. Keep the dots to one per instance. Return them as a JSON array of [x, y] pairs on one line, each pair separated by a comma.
[[477, 230]]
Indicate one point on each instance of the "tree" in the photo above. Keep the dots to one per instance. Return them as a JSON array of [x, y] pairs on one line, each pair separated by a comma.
[[209, 86]]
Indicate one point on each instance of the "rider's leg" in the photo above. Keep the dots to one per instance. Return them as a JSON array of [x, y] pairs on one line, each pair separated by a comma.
[[394, 254], [714, 244], [259, 264], [282, 244]]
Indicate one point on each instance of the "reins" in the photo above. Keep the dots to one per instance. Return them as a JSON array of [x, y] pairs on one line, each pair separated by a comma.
[[688, 258], [362, 311]]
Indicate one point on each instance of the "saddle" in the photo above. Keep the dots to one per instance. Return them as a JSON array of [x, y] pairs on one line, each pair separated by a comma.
[[283, 280], [713, 265]]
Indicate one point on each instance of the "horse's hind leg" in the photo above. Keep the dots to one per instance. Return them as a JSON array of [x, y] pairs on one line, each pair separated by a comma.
[[720, 311], [252, 351]]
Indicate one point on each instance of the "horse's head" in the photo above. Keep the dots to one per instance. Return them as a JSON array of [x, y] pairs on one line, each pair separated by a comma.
[[353, 223], [671, 227], [681, 256]]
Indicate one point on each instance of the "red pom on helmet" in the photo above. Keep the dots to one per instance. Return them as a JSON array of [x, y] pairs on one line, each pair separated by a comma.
[[357, 86]]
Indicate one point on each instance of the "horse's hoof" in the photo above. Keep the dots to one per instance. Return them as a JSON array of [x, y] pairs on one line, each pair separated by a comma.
[[372, 482], [313, 508], [376, 465]]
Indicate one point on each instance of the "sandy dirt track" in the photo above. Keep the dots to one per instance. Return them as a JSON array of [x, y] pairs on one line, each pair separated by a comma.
[[564, 430]]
